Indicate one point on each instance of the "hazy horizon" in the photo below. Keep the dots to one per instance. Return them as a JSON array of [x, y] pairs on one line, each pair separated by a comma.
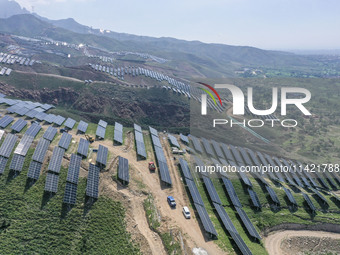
[[283, 25]]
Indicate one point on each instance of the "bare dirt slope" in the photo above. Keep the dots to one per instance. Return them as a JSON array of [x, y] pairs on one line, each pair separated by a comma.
[[298, 242]]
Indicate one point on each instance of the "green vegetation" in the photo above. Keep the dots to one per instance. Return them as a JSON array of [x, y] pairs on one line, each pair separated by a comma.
[[33, 222]]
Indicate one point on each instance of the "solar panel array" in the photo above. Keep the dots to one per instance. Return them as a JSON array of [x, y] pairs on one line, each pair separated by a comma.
[[309, 202], [83, 147], [211, 190], [273, 195], [153, 131], [5, 121], [254, 198], [50, 133], [123, 170], [217, 149], [118, 133], [59, 120], [184, 138], [33, 130], [70, 195], [40, 150], [100, 132], [92, 181], [8, 145], [207, 147], [49, 118], [24, 145], [102, 155], [247, 223], [206, 221], [290, 196], [56, 159], [231, 192], [34, 170], [69, 123], [137, 127], [197, 144], [19, 125], [41, 116], [185, 169], [173, 141], [140, 142], [73, 169], [82, 126], [161, 160], [17, 162], [3, 163], [65, 141], [102, 123], [51, 184]]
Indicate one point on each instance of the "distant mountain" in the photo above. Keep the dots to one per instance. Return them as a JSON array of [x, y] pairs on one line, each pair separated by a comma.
[[10, 8], [201, 59]]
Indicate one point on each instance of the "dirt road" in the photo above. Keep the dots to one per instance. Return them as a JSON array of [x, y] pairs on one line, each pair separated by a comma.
[[273, 242]]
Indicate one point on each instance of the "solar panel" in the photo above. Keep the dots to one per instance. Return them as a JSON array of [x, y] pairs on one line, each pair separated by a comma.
[[153, 131], [17, 162], [140, 144], [197, 144], [195, 195], [273, 195], [185, 169], [164, 172], [83, 147], [51, 184], [217, 149], [245, 156], [47, 106], [65, 141], [207, 147], [82, 126], [290, 196], [100, 132], [49, 118], [102, 155], [156, 141], [206, 221], [227, 152], [102, 123], [237, 155], [50, 133], [254, 198], [3, 163], [34, 170], [59, 120], [33, 130], [2, 132], [231, 192], [23, 145], [137, 128], [56, 159], [5, 121], [70, 195], [184, 138], [32, 113], [211, 190], [19, 125], [123, 169], [40, 150], [321, 197], [92, 181], [41, 116], [118, 133], [8, 145], [247, 223], [69, 123], [321, 180], [173, 141], [228, 224], [22, 111], [309, 202], [73, 169]]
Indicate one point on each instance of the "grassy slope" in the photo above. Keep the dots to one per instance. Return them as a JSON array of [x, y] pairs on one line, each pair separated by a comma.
[[40, 225]]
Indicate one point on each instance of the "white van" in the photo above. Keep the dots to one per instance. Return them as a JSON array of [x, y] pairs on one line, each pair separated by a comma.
[[186, 212]]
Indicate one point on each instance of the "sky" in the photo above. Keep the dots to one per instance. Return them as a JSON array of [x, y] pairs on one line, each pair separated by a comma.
[[266, 24]]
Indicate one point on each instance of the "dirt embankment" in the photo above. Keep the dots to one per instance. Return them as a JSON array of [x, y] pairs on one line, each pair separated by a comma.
[[287, 239]]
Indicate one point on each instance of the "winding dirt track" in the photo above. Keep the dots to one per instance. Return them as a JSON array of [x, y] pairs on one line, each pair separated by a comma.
[[273, 241]]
